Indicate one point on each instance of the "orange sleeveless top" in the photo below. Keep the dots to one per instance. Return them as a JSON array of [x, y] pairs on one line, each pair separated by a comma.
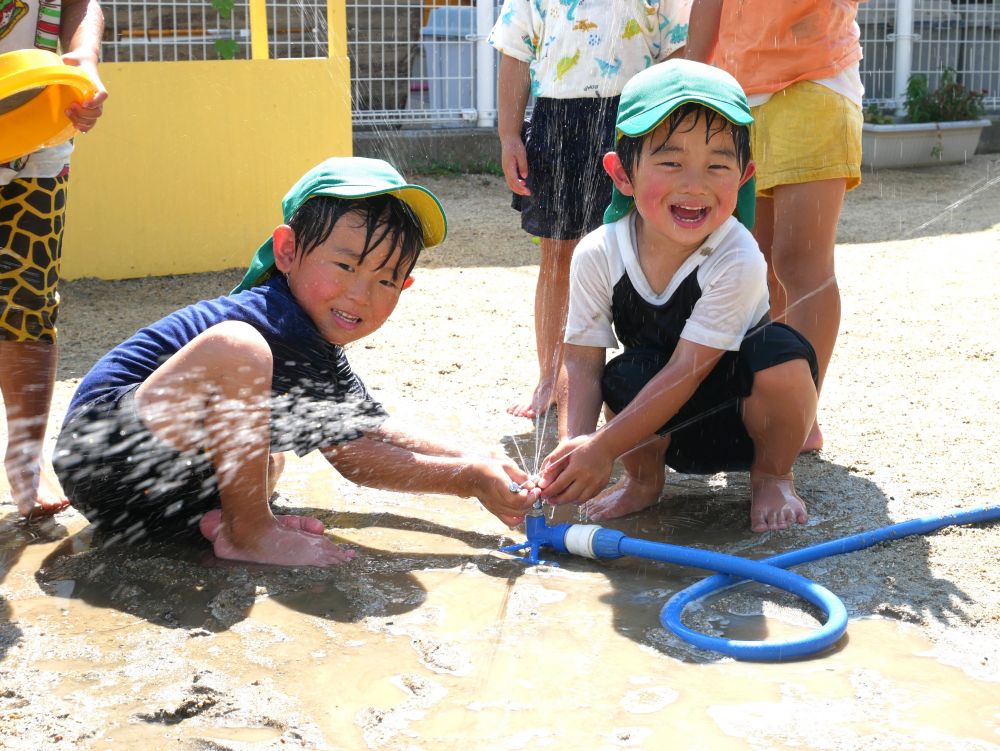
[[769, 44]]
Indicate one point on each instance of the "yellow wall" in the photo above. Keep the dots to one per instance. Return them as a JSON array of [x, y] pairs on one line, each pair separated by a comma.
[[186, 169]]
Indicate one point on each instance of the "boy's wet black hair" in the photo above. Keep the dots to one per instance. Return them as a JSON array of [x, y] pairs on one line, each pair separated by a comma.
[[629, 148], [385, 218]]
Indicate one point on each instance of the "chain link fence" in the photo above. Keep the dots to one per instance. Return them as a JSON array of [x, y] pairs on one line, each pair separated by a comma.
[[415, 62]]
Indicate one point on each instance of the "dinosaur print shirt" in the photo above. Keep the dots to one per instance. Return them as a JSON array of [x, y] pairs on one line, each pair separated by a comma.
[[588, 48]]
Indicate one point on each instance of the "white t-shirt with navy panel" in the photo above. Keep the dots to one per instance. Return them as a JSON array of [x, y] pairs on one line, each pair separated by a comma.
[[716, 296]]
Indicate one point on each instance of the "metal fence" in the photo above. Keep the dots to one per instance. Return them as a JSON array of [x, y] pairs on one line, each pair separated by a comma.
[[933, 35], [427, 62]]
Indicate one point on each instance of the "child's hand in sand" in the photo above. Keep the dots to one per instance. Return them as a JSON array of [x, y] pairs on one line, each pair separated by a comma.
[[576, 471]]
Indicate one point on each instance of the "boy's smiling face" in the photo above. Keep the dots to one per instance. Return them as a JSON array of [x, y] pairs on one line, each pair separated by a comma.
[[345, 296], [684, 187]]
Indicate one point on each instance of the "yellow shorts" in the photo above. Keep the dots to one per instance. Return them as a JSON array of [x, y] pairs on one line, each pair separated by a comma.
[[804, 133]]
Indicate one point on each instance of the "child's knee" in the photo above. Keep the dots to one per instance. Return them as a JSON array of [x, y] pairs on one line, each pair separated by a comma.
[[789, 377], [235, 344], [798, 268]]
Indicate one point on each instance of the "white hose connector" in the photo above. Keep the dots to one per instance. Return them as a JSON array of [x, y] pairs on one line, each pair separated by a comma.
[[579, 539]]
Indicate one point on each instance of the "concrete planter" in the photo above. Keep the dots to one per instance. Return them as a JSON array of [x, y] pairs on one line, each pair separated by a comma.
[[919, 144]]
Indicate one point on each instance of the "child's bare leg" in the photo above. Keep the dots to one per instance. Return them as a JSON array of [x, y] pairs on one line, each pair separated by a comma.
[[211, 521], [778, 415], [551, 303], [275, 466], [763, 232], [802, 254], [640, 486], [27, 377], [214, 394]]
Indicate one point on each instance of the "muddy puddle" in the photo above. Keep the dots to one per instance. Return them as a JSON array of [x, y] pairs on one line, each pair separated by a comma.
[[432, 639]]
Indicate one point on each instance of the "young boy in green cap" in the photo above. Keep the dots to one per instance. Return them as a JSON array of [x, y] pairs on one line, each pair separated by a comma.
[[182, 425], [705, 383]]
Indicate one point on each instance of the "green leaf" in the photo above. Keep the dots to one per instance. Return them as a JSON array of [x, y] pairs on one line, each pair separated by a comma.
[[224, 7], [949, 101], [226, 49]]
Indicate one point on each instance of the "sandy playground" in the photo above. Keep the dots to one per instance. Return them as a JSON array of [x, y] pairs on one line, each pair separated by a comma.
[[431, 639]]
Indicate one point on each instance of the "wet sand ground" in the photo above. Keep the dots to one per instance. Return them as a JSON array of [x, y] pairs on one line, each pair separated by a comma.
[[431, 639]]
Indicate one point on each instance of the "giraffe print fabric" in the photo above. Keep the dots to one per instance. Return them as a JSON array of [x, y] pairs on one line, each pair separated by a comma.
[[32, 211]]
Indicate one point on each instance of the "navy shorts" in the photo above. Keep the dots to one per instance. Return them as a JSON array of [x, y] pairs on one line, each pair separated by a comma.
[[566, 141], [707, 433], [129, 483]]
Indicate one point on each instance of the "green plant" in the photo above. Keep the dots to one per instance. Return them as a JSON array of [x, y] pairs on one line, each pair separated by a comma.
[[226, 49], [948, 101], [443, 168], [876, 116]]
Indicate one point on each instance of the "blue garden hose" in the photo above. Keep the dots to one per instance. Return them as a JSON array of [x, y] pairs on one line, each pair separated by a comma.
[[593, 541]]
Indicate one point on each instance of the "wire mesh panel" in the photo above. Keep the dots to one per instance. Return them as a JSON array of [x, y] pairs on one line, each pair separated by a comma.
[[415, 61], [412, 61], [964, 36], [152, 30], [297, 29], [382, 39], [877, 20]]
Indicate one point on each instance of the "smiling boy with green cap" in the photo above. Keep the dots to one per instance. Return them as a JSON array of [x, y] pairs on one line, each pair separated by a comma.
[[706, 383], [181, 427]]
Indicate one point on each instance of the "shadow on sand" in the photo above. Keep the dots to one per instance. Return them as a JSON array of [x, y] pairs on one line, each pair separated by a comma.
[[181, 584]]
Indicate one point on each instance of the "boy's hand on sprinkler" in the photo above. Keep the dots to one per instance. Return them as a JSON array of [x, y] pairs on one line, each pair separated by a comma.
[[575, 471], [492, 485]]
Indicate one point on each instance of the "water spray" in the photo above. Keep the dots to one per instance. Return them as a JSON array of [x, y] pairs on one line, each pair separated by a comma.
[[594, 541]]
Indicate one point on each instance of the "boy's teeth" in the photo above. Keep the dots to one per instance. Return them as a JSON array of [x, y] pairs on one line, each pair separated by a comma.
[[689, 213]]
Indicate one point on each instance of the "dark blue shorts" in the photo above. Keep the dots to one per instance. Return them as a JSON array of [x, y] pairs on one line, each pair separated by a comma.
[[129, 483], [707, 434], [566, 141]]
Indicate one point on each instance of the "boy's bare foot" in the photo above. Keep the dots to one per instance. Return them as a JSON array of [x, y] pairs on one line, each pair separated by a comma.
[[282, 544], [211, 521], [774, 503], [626, 496], [35, 493], [542, 400], [814, 441]]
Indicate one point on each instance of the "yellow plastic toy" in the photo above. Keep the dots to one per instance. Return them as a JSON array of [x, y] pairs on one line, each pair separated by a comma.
[[36, 88]]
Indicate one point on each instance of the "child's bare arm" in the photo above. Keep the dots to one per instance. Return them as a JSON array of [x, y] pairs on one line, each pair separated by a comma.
[[513, 91], [703, 30], [80, 37], [393, 431], [580, 467], [584, 366], [377, 460]]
